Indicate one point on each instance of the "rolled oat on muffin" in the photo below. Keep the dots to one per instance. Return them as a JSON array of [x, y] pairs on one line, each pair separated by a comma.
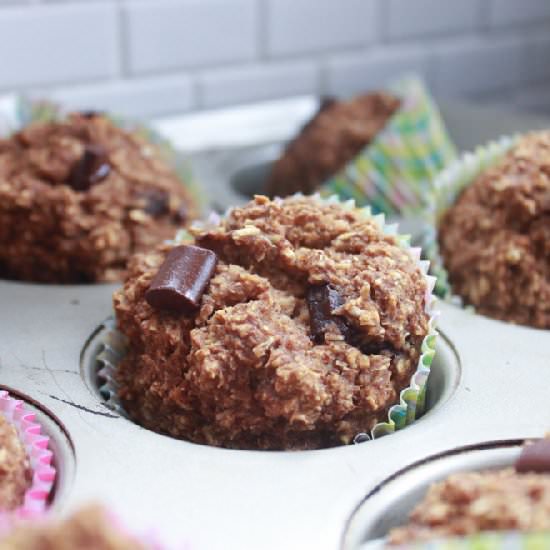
[[514, 498], [333, 137], [290, 324], [495, 239], [89, 528], [79, 196], [15, 468]]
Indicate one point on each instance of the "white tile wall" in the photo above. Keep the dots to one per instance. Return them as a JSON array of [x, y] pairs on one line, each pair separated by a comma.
[[469, 67], [159, 95], [155, 57], [351, 73], [254, 83], [300, 26], [57, 43], [510, 12], [163, 35], [538, 58], [407, 18]]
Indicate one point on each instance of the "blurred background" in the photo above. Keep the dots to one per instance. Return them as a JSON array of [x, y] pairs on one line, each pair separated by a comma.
[[150, 58]]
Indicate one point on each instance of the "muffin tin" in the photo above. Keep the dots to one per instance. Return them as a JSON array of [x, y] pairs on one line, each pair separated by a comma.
[[488, 383], [388, 505]]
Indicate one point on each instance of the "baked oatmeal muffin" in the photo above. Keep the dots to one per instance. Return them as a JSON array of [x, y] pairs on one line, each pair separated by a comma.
[[515, 498], [79, 196], [15, 470], [333, 137], [291, 324], [90, 528], [495, 239]]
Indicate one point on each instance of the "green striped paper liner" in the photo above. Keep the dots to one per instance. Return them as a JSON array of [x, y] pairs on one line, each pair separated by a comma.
[[488, 540], [394, 173], [412, 400], [447, 187], [18, 111]]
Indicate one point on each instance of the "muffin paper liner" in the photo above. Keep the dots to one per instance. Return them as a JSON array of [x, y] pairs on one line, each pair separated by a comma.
[[40, 457], [412, 399], [489, 540], [447, 187], [17, 111], [393, 174]]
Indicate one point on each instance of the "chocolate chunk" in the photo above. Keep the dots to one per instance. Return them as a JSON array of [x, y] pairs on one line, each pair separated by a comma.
[[157, 202], [376, 348], [534, 457], [361, 438], [325, 102], [182, 278], [89, 113], [322, 300], [91, 168], [182, 214]]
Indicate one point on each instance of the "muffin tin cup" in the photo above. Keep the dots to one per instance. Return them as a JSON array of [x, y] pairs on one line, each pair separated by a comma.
[[480, 388], [412, 399], [40, 456], [446, 189], [393, 173], [389, 504], [46, 350]]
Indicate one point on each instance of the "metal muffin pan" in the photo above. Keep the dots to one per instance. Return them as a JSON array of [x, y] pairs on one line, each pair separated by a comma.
[[488, 383], [389, 504]]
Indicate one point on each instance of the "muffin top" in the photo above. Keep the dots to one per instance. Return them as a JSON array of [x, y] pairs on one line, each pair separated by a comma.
[[90, 528], [493, 500], [78, 196], [310, 324], [333, 137], [495, 239], [15, 471]]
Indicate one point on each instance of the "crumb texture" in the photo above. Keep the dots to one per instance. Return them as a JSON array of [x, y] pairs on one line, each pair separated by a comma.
[[89, 528], [245, 370], [78, 197], [471, 502], [495, 240], [15, 471], [333, 137]]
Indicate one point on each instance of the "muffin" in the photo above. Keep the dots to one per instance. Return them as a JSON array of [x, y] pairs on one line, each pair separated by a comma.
[[290, 324], [495, 239], [333, 137], [15, 469], [80, 195], [515, 498], [90, 528]]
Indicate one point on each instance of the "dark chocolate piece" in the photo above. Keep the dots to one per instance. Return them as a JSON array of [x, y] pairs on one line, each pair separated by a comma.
[[182, 214], [361, 438], [322, 300], [90, 113], [157, 202], [182, 278], [534, 457], [91, 168], [325, 102]]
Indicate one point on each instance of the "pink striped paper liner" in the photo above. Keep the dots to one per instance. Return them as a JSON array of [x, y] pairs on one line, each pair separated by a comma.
[[40, 456]]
